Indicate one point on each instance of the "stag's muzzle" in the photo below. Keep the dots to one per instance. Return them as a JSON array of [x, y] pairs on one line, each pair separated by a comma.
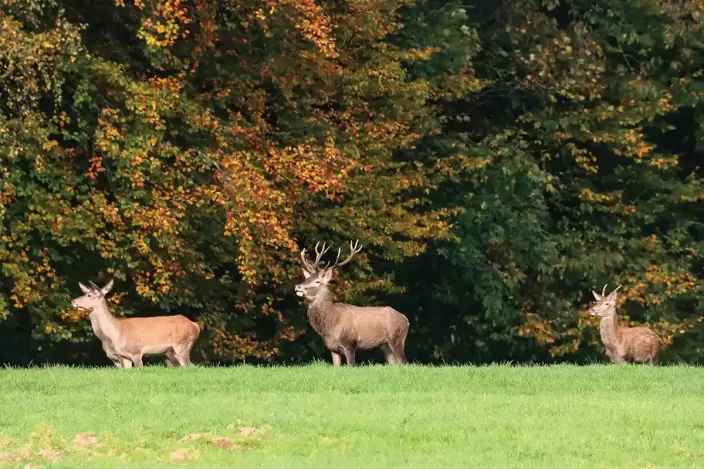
[[300, 291]]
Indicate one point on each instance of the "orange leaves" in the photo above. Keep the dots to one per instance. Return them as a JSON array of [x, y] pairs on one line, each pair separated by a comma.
[[314, 26], [540, 329], [659, 283], [73, 315]]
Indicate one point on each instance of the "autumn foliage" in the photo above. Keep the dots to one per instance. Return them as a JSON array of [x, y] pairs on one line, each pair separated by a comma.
[[497, 161]]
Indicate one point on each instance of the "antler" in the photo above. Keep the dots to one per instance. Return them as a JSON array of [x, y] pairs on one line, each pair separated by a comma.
[[312, 267], [354, 249]]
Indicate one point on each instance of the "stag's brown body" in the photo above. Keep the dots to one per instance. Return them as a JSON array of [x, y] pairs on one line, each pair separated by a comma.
[[127, 340], [346, 328], [624, 344]]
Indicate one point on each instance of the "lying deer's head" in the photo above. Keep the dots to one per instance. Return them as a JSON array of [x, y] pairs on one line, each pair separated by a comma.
[[317, 278], [93, 296], [605, 304]]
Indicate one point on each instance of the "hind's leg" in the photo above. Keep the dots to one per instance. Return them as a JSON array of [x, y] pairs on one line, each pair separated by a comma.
[[171, 360], [183, 355], [389, 355]]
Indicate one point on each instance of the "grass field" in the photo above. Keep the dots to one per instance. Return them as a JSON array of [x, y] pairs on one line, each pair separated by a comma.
[[370, 416]]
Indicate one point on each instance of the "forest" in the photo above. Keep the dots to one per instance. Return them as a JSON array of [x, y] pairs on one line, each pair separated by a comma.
[[497, 160]]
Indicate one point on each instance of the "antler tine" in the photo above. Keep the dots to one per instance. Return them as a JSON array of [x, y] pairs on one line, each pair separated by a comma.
[[354, 249], [307, 265], [320, 253], [313, 266], [603, 289]]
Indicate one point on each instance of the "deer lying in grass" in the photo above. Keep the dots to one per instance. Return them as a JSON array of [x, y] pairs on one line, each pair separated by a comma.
[[623, 344], [127, 340], [346, 328]]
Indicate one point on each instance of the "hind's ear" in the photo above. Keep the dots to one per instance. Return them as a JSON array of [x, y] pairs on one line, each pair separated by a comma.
[[597, 296], [108, 286], [84, 288]]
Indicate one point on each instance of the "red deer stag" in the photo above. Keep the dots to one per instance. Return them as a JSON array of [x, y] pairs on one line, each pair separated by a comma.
[[346, 328]]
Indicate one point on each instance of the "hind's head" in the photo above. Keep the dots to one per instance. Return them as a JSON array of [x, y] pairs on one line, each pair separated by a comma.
[[93, 296]]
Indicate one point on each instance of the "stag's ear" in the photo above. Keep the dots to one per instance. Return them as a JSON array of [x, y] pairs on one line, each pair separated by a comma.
[[306, 273], [327, 275], [108, 286], [597, 296], [84, 288]]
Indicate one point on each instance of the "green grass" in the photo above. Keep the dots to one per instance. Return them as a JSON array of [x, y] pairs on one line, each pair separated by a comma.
[[369, 416]]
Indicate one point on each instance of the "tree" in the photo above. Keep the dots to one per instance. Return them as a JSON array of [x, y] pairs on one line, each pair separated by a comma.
[[577, 165]]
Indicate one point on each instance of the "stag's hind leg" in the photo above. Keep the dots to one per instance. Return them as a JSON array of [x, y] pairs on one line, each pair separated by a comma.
[[350, 355], [398, 350], [397, 345]]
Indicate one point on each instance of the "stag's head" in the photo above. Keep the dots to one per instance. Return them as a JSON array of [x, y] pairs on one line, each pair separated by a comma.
[[605, 305], [93, 296], [316, 277]]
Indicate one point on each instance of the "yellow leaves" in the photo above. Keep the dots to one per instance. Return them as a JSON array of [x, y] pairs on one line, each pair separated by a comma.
[[259, 14], [415, 54], [163, 23], [589, 195], [664, 162], [50, 145]]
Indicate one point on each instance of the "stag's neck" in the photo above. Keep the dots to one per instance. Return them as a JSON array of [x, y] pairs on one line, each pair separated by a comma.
[[610, 332], [104, 323], [321, 313]]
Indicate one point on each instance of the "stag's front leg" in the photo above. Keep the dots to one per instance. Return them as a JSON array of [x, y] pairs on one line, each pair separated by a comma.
[[336, 358]]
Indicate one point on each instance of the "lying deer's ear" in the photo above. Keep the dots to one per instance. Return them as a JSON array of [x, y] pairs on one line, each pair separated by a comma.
[[306, 273], [84, 288], [108, 286], [597, 296]]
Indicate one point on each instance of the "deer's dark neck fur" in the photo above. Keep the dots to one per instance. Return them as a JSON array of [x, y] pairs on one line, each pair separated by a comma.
[[321, 313], [610, 331], [104, 323]]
